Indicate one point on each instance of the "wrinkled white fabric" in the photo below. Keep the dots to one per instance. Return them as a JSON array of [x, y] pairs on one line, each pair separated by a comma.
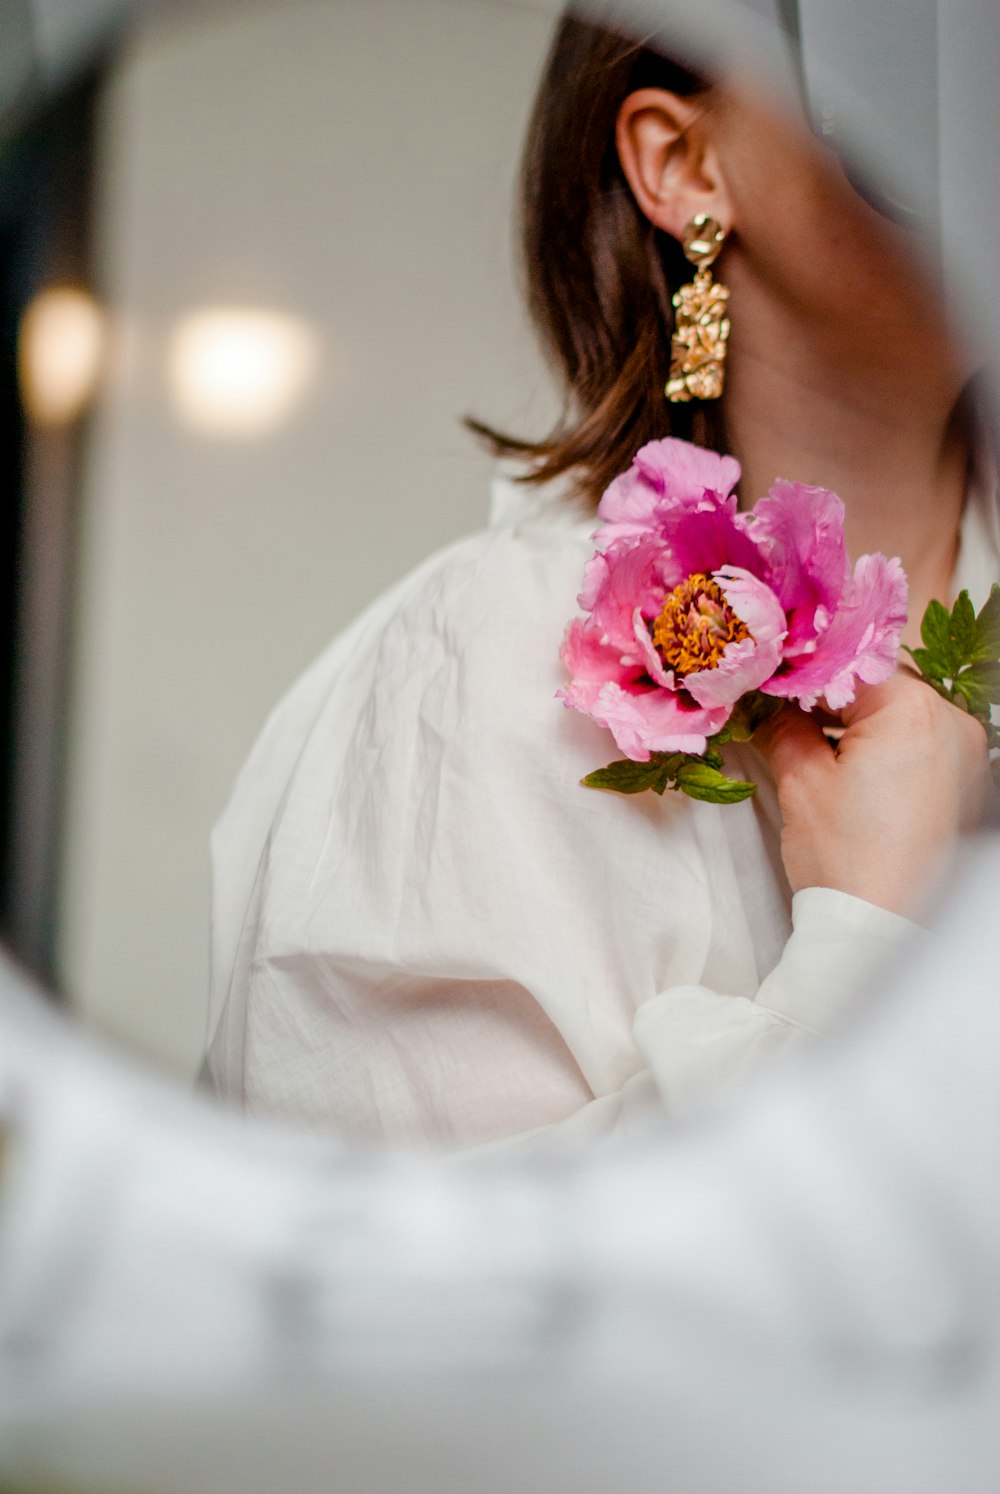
[[427, 930]]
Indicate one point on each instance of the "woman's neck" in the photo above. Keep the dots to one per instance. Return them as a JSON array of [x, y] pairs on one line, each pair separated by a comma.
[[872, 427]]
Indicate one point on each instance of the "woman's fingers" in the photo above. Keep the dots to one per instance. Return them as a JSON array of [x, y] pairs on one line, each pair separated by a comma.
[[878, 816], [791, 741], [901, 697]]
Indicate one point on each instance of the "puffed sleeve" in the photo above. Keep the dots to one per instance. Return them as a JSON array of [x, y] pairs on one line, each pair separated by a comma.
[[694, 1040], [692, 1037]]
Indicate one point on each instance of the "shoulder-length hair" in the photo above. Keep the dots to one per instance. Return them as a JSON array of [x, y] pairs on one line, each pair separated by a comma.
[[598, 276]]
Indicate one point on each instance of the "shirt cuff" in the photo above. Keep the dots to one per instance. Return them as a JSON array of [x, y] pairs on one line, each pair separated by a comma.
[[839, 945]]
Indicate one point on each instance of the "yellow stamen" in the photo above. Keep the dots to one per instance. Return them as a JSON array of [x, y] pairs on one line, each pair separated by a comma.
[[695, 626]]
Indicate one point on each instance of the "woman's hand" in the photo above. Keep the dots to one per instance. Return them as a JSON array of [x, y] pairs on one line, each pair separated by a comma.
[[877, 815]]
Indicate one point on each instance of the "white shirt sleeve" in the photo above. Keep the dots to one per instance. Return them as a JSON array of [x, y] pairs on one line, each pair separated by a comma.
[[693, 1038], [694, 1041]]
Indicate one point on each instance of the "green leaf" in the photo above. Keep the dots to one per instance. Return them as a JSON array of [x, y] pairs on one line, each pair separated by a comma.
[[700, 781], [627, 777], [955, 640], [986, 642], [925, 662], [697, 777], [740, 728], [749, 713], [668, 764], [979, 687], [987, 677], [935, 630], [967, 694], [963, 629]]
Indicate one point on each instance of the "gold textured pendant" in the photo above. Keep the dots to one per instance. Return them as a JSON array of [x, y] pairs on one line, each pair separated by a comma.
[[701, 331]]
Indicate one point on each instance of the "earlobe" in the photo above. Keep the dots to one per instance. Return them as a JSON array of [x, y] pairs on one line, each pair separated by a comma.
[[669, 160]]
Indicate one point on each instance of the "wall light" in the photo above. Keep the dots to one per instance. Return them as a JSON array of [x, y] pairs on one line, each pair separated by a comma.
[[238, 372], [60, 351]]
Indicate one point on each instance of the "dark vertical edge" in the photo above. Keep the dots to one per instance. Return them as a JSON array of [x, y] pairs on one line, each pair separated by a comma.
[[55, 248]]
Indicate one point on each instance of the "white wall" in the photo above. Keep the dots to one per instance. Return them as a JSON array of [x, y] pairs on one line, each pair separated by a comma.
[[350, 162]]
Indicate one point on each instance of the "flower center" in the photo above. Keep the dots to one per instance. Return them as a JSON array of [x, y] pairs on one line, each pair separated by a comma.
[[695, 626]]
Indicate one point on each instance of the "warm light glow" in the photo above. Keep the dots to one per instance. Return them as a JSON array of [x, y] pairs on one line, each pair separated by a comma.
[[240, 372], [59, 355]]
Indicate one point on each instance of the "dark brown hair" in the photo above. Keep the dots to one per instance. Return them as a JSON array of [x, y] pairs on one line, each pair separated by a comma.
[[598, 275]]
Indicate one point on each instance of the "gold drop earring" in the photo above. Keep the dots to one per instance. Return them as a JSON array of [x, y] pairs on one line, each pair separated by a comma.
[[701, 330]]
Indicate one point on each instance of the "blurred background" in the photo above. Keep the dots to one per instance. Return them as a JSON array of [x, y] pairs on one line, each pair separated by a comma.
[[255, 264]]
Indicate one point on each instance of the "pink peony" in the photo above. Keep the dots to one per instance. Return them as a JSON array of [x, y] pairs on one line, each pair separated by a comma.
[[692, 605]]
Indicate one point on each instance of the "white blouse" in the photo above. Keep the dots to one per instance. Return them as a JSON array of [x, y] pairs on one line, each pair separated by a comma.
[[426, 930]]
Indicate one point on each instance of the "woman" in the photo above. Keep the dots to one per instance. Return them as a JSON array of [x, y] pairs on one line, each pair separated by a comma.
[[425, 928]]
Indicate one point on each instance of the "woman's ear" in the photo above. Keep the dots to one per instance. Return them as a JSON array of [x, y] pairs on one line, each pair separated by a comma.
[[669, 160]]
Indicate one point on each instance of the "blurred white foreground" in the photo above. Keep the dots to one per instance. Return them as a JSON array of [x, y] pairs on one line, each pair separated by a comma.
[[799, 1294]]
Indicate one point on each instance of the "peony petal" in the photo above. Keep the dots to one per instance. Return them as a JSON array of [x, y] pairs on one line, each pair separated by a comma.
[[643, 722], [588, 658], [595, 575], [627, 508], [861, 642], [649, 654], [592, 664], [669, 471], [754, 603], [706, 539], [627, 576], [801, 530], [683, 471], [744, 666]]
